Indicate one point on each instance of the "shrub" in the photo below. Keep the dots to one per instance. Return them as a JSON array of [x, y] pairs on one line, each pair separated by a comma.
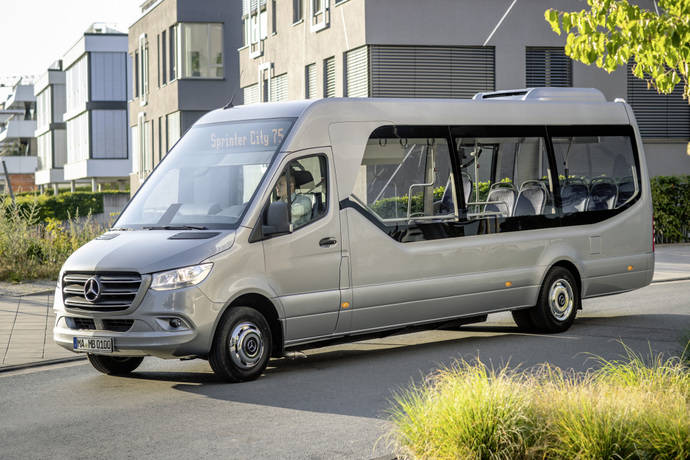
[[632, 408], [30, 249], [62, 206]]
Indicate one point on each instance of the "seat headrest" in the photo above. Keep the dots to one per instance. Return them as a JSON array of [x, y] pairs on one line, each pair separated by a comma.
[[302, 177]]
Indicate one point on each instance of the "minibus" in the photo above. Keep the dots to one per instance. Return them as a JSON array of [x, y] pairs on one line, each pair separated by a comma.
[[282, 226]]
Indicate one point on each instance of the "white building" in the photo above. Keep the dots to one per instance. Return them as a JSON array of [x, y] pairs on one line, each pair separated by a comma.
[[51, 134], [96, 77], [17, 142]]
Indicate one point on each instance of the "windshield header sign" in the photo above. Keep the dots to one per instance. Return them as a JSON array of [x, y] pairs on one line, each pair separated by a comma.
[[261, 135]]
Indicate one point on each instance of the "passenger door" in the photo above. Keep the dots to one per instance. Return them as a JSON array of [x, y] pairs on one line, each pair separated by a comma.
[[304, 265]]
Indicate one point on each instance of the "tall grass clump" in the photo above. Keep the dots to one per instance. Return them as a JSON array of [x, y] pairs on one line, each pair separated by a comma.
[[30, 249], [633, 408]]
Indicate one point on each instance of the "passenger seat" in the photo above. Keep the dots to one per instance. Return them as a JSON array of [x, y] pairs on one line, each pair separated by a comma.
[[531, 199], [574, 197], [501, 191], [602, 195]]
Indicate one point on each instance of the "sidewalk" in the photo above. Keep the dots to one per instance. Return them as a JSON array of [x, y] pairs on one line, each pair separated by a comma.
[[27, 318]]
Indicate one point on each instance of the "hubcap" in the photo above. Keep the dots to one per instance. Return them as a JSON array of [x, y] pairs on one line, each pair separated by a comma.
[[561, 299], [246, 345]]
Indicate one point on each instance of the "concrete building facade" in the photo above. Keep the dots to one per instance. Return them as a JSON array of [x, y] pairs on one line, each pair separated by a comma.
[[51, 130], [96, 81], [17, 141], [184, 61], [296, 49]]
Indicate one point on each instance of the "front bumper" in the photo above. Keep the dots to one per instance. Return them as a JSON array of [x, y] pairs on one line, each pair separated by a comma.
[[150, 333]]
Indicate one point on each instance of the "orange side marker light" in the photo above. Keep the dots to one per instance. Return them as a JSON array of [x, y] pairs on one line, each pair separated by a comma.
[[508, 283], [630, 268], [345, 304]]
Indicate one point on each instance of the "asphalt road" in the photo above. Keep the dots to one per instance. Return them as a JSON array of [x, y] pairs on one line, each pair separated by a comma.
[[330, 404]]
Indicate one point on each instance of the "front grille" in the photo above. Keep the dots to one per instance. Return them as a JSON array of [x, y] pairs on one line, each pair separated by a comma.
[[117, 325], [80, 323], [117, 293]]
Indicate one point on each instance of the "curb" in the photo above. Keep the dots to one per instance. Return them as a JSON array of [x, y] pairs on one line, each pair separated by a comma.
[[43, 292], [48, 362], [682, 278]]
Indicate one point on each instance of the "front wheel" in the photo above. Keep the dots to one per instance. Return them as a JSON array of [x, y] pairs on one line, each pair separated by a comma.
[[558, 301], [114, 365], [242, 345]]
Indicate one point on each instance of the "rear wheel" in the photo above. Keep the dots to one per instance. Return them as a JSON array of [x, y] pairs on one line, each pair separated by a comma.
[[114, 365], [242, 345], [559, 299]]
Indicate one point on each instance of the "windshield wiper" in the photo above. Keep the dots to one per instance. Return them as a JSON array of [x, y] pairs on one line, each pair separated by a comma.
[[175, 227]]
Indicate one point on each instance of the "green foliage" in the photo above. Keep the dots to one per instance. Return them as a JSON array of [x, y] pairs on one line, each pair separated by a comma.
[[61, 207], [671, 197], [611, 32], [30, 249], [631, 408]]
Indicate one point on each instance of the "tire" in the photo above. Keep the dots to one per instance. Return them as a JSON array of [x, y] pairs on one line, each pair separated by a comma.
[[558, 302], [114, 365], [523, 320], [242, 345]]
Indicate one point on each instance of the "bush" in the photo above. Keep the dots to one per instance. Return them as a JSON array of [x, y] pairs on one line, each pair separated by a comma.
[[30, 249], [61, 207], [633, 408], [671, 197]]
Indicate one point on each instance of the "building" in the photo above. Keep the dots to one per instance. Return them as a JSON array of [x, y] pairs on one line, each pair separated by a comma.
[[96, 81], [51, 132], [184, 60], [17, 142], [296, 49]]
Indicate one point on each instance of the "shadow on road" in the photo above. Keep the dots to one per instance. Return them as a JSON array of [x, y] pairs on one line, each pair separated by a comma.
[[359, 379]]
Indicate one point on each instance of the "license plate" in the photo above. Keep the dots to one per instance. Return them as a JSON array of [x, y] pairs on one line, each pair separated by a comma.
[[93, 344]]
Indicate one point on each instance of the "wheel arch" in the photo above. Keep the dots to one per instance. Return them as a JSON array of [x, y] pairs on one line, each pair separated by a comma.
[[266, 307]]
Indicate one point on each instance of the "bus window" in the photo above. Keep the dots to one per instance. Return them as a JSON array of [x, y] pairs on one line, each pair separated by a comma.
[[403, 179], [508, 176], [595, 172]]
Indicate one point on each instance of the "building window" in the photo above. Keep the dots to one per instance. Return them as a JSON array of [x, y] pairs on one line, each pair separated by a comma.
[[172, 53], [548, 66], [136, 74], [329, 77], [310, 81], [659, 116], [278, 88], [143, 71], [297, 10], [274, 26], [158, 59], [172, 122], [319, 14], [164, 58], [265, 81], [255, 18], [201, 50]]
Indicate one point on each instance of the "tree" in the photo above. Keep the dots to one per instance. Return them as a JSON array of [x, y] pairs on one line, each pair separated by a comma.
[[611, 32]]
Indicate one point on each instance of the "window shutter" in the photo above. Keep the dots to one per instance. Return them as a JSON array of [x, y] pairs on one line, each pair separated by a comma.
[[251, 94], [310, 81], [431, 71], [279, 88], [548, 66], [658, 115], [357, 72], [329, 77]]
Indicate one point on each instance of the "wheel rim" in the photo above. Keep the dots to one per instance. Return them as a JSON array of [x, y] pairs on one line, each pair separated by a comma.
[[246, 345], [561, 299]]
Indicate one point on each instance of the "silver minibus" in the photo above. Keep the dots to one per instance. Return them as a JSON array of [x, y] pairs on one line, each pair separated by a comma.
[[279, 226]]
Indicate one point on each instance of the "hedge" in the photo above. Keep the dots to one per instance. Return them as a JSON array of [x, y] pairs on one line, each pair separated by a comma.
[[671, 196], [62, 206]]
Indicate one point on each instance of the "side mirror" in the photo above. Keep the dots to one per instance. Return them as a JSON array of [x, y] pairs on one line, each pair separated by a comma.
[[277, 219]]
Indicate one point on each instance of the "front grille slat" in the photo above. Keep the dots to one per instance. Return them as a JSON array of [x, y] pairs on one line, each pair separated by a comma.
[[117, 293]]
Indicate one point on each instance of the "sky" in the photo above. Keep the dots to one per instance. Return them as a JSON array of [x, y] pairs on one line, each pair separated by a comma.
[[35, 33]]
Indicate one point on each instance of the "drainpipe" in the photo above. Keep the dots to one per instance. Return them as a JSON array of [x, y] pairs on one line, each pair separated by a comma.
[[7, 178]]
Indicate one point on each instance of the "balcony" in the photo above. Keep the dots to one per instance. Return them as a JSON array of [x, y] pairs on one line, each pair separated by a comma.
[[18, 129]]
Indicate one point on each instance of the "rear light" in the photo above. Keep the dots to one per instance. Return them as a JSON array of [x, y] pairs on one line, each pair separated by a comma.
[[654, 232]]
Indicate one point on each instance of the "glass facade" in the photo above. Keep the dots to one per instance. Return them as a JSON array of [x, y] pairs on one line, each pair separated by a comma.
[[202, 50]]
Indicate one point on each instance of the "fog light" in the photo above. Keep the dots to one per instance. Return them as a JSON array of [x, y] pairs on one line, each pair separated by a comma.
[[175, 323]]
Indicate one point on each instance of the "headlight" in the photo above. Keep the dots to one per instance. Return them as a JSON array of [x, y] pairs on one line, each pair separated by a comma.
[[182, 277]]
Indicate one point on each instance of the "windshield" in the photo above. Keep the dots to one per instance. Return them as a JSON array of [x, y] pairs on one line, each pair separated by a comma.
[[208, 178]]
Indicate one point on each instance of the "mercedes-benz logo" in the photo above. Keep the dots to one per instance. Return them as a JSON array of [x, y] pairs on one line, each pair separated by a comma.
[[92, 289]]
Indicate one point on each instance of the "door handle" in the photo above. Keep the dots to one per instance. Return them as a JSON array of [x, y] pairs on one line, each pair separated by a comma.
[[327, 242]]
